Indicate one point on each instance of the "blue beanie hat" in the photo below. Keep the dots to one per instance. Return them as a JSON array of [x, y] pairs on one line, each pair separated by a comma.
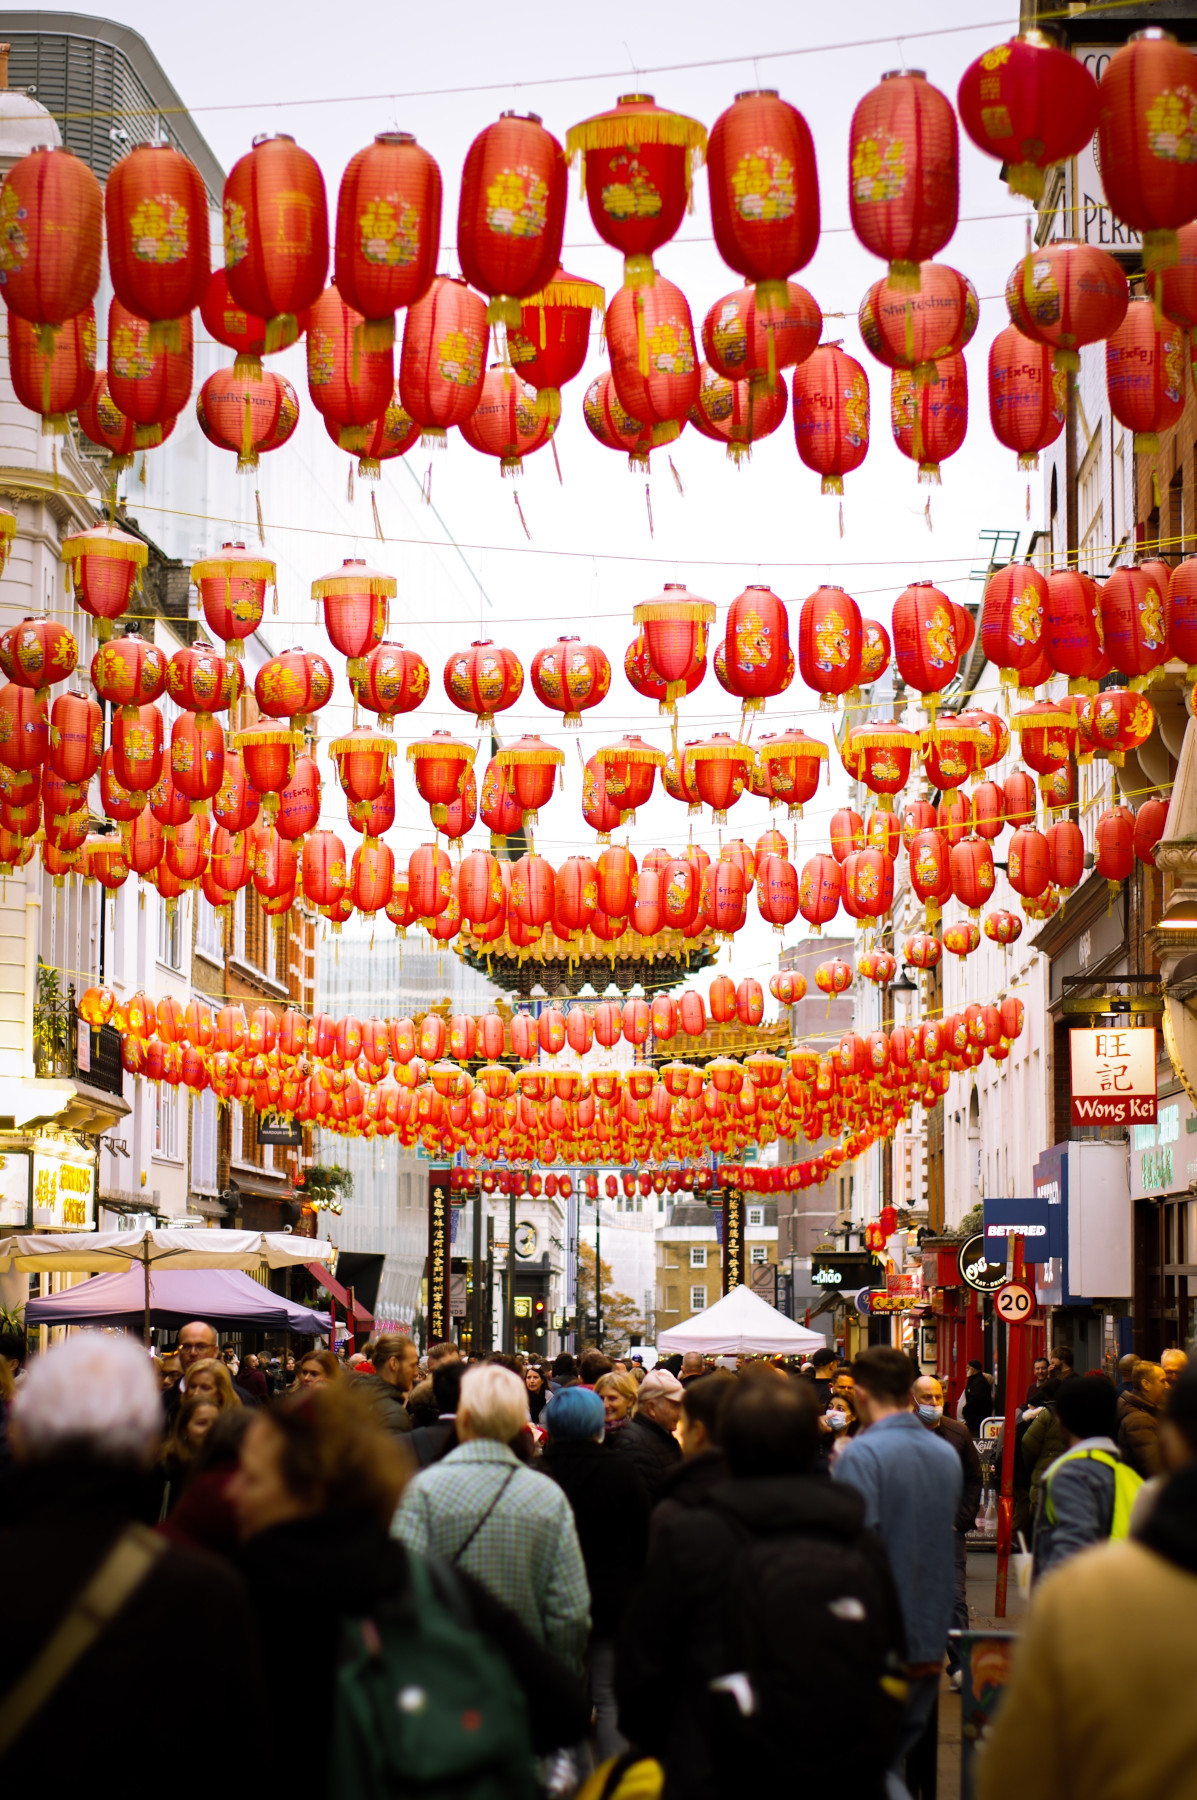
[[574, 1414]]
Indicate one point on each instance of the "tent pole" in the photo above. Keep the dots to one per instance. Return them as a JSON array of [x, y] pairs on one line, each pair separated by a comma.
[[145, 1259]]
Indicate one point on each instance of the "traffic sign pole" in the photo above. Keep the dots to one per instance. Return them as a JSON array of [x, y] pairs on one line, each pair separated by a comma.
[[1017, 1339]]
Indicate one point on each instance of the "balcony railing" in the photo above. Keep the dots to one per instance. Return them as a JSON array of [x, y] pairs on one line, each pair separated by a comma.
[[64, 1046]]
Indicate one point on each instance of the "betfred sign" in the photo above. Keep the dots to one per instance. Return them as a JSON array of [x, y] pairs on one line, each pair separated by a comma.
[[1113, 1076]]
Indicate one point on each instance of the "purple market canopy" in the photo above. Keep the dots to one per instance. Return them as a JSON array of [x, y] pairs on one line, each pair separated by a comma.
[[224, 1298]]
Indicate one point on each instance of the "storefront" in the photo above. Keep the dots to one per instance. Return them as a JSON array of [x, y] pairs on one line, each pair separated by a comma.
[[1088, 1286], [1163, 1173]]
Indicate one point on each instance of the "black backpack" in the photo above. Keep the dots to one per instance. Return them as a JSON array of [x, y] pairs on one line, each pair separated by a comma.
[[805, 1624]]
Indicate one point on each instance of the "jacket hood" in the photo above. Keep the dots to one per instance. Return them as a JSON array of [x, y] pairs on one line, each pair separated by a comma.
[[1171, 1527], [696, 1475], [771, 1503], [348, 1554]]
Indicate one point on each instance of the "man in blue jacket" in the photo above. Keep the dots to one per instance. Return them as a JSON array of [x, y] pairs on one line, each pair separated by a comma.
[[1089, 1491], [911, 1485]]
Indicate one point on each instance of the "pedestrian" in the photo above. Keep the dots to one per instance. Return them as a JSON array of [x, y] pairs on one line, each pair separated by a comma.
[[591, 1364], [1088, 1491], [699, 1433], [92, 1597], [203, 1516], [1139, 1420], [564, 1372], [1099, 1704], [510, 1527], [538, 1390], [1043, 1440], [443, 1350], [252, 1381], [1178, 1444], [396, 1360], [978, 1399], [1126, 1373], [648, 1435], [1061, 1362], [824, 1364], [192, 1423], [1174, 1363], [315, 1493], [431, 1442], [210, 1379], [1037, 1392], [911, 1483], [316, 1368], [927, 1394], [610, 1509], [197, 1342], [619, 1395], [694, 1367], [838, 1422], [749, 1599]]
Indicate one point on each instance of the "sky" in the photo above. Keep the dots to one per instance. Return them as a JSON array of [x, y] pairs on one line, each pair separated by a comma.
[[251, 68]]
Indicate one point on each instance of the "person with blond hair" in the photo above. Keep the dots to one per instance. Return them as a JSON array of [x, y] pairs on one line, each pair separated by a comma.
[[210, 1380], [619, 1394], [510, 1527]]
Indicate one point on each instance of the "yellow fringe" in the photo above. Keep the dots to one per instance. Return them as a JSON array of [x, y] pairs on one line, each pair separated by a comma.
[[886, 737], [249, 569], [529, 759], [371, 579], [626, 129], [105, 540], [437, 747], [570, 292], [343, 746], [651, 612]]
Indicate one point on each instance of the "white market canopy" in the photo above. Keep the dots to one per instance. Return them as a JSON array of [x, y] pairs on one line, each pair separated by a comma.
[[741, 1324], [185, 1247]]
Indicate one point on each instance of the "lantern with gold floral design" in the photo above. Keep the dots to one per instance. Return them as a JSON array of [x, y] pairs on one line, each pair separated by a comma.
[[746, 340], [531, 766], [951, 752], [104, 565], [232, 588], [904, 172], [387, 231], [391, 680], [629, 769], [548, 346], [38, 652], [720, 768], [484, 680], [105, 425], [962, 938], [362, 759], [150, 385], [104, 861], [511, 213], [608, 421], [570, 677], [885, 750], [440, 763], [1147, 139], [637, 162], [1119, 720], [355, 598], [730, 413], [792, 763], [59, 382], [156, 210], [200, 681], [507, 422], [1047, 738], [443, 363], [197, 757], [654, 358], [293, 685]]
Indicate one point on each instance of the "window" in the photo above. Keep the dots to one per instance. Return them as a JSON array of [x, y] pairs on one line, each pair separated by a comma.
[[207, 934], [756, 1215], [698, 1299], [758, 1254], [698, 1256], [204, 1118], [166, 1123], [170, 934]]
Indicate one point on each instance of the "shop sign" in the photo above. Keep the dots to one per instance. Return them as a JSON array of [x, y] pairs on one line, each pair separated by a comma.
[[64, 1189], [896, 1303], [274, 1129], [438, 1313], [1113, 1075], [1036, 1221], [904, 1284], [1164, 1155], [976, 1270], [843, 1272], [733, 1239], [14, 1190], [1090, 218]]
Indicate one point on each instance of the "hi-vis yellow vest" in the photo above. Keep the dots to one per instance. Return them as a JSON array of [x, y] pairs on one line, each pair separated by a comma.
[[1126, 1486]]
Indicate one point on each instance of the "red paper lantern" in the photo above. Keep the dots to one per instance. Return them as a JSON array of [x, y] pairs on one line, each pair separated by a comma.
[[440, 763], [868, 877], [654, 359], [925, 647], [196, 757], [1065, 853], [904, 179], [391, 680], [248, 414], [599, 810], [232, 590], [1118, 721], [831, 415], [430, 879], [972, 874], [294, 685], [76, 737], [1134, 620], [186, 855], [299, 801], [372, 876], [268, 756], [1066, 295], [614, 427], [533, 891], [637, 161], [724, 898], [1012, 618], [792, 762], [443, 364], [1030, 104], [1114, 844], [1150, 821], [156, 209], [236, 804], [930, 871], [750, 340], [508, 421], [351, 385], [51, 231], [1145, 371], [103, 564], [576, 893], [391, 434], [777, 891], [721, 769], [885, 751], [362, 759], [570, 677], [59, 381], [276, 234], [1028, 863], [38, 652], [1147, 139], [757, 646], [819, 888], [200, 681], [484, 680], [387, 231], [728, 412], [150, 385], [674, 630], [1180, 615], [1072, 628], [355, 608], [829, 641], [630, 768], [930, 418], [549, 345], [913, 329], [104, 861], [137, 749], [764, 188], [511, 214], [1027, 398], [480, 891]]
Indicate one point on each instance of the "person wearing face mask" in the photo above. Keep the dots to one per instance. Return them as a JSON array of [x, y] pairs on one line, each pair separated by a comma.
[[838, 1421], [927, 1394]]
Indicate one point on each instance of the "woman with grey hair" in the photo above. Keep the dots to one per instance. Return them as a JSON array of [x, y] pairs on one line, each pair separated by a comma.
[[91, 1596]]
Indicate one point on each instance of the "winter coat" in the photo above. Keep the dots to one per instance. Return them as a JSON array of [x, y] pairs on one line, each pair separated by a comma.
[[65, 1518], [1045, 1440], [610, 1509], [952, 1432], [655, 1453], [1139, 1435], [978, 1403], [1100, 1700], [673, 1640], [307, 1576], [388, 1402], [688, 1485], [1082, 1500]]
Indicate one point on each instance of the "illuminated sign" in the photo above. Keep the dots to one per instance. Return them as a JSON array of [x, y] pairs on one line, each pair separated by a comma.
[[1113, 1076], [894, 1303], [838, 1269], [64, 1188], [976, 1270]]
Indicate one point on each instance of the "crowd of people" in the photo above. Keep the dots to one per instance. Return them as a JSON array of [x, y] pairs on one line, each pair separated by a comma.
[[508, 1577]]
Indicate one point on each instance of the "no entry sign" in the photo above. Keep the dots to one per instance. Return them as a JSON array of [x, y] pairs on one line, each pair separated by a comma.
[[1113, 1076]]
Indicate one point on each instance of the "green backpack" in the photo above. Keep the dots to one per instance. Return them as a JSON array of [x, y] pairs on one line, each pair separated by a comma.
[[424, 1705]]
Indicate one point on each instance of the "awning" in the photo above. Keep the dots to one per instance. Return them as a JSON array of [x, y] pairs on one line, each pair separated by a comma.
[[260, 1187], [332, 1286]]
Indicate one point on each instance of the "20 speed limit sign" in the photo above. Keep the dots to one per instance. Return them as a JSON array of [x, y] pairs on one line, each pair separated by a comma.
[[1014, 1303]]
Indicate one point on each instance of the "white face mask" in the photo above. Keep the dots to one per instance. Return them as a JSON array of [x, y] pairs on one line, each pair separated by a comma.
[[837, 1420], [930, 1413]]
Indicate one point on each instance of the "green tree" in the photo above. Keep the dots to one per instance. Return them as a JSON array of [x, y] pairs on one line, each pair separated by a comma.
[[622, 1319]]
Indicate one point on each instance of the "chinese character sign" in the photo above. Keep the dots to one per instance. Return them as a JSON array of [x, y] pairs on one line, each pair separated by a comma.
[[1113, 1076], [733, 1239], [438, 1253]]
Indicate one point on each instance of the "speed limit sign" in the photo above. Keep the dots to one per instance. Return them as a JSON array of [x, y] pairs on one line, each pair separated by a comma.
[[1014, 1303]]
